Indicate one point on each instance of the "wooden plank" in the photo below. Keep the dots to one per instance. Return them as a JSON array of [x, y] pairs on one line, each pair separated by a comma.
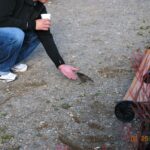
[[140, 91]]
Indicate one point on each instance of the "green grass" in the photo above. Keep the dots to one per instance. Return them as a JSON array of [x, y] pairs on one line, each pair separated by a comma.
[[65, 106], [3, 114], [5, 138]]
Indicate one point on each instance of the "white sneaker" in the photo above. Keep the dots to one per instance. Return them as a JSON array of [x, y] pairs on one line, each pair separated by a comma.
[[20, 68], [8, 77]]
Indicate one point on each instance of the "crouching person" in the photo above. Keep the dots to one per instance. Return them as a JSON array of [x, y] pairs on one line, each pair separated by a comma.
[[21, 30]]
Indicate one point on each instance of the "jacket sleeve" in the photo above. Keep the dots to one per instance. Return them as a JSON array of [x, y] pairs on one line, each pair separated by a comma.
[[7, 8], [46, 38]]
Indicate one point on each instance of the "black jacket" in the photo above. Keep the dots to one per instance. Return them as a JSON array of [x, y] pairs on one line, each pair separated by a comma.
[[20, 13]]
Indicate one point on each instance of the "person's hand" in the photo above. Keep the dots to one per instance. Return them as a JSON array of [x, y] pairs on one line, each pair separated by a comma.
[[68, 71], [43, 24]]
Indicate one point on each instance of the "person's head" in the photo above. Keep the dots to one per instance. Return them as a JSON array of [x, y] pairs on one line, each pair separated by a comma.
[[42, 1]]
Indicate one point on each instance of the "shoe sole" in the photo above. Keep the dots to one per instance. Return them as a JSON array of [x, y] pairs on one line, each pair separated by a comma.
[[8, 80], [23, 70]]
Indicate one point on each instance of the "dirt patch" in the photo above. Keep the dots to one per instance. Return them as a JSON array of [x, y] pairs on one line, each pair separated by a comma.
[[112, 72]]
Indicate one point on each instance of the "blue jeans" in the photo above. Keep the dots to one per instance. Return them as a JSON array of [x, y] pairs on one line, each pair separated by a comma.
[[15, 46]]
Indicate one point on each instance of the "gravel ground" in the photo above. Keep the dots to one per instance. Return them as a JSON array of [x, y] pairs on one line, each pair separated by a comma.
[[43, 110]]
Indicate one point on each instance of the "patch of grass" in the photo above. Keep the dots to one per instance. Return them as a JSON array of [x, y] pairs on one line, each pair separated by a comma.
[[140, 33], [3, 114], [5, 138], [65, 106], [98, 93], [55, 107], [145, 27], [47, 102], [2, 130], [12, 147]]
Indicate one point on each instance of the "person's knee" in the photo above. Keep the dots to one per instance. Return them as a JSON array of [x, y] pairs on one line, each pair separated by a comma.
[[14, 36], [11, 40], [17, 36]]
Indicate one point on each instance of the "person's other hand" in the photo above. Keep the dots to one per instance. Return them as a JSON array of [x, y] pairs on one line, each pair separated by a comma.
[[68, 71], [43, 24]]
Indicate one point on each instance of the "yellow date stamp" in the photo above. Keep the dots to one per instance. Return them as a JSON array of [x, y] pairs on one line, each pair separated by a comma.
[[143, 138]]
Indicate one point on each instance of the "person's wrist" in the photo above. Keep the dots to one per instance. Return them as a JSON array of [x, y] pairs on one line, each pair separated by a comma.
[[61, 66]]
